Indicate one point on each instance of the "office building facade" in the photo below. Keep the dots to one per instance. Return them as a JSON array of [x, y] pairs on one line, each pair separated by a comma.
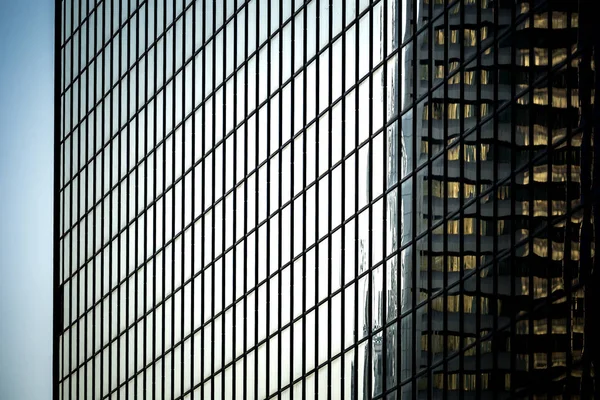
[[323, 199]]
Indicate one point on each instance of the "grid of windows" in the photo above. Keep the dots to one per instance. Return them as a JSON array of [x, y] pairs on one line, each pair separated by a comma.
[[321, 199]]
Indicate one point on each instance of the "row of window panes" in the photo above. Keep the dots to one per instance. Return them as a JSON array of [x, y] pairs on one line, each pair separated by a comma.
[[297, 245], [123, 155], [140, 233], [364, 22], [177, 31], [247, 380], [125, 216], [178, 99], [360, 302], [89, 18], [77, 161], [106, 282], [253, 327], [121, 107], [96, 176]]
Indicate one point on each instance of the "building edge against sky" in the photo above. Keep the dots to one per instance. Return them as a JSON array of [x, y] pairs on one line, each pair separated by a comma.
[[361, 199]]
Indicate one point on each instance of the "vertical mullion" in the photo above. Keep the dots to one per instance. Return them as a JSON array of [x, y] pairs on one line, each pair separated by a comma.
[[224, 167], [154, 194], [371, 162], [164, 206], [212, 200], [172, 150], [356, 378], [246, 195], [78, 224], [88, 314], [279, 205], [111, 195], [256, 205], [69, 276], [61, 148], [478, 220], [343, 210], [430, 175], [236, 202], [122, 353], [462, 194], [493, 308], [369, 316], [317, 184], [185, 252], [104, 212], [63, 245], [124, 198], [304, 181], [329, 196], [415, 187], [146, 179], [120, 250], [513, 188], [192, 250], [95, 209], [138, 224], [399, 151], [267, 171], [203, 257], [386, 195], [80, 307], [445, 208], [174, 155], [292, 205]]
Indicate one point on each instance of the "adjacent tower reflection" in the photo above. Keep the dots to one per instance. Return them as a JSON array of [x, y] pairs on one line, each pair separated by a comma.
[[491, 149]]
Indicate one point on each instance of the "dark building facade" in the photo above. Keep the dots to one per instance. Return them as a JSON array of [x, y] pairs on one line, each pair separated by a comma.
[[497, 202], [325, 199]]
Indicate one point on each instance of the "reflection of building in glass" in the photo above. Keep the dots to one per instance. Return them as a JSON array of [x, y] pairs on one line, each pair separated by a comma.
[[322, 199], [496, 214]]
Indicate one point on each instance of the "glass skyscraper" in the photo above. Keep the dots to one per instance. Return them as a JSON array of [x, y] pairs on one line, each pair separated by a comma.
[[344, 199]]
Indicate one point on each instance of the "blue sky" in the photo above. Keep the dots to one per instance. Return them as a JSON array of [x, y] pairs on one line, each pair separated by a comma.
[[26, 178]]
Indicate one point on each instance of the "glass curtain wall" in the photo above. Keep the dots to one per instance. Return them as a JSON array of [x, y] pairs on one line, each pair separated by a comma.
[[321, 199]]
